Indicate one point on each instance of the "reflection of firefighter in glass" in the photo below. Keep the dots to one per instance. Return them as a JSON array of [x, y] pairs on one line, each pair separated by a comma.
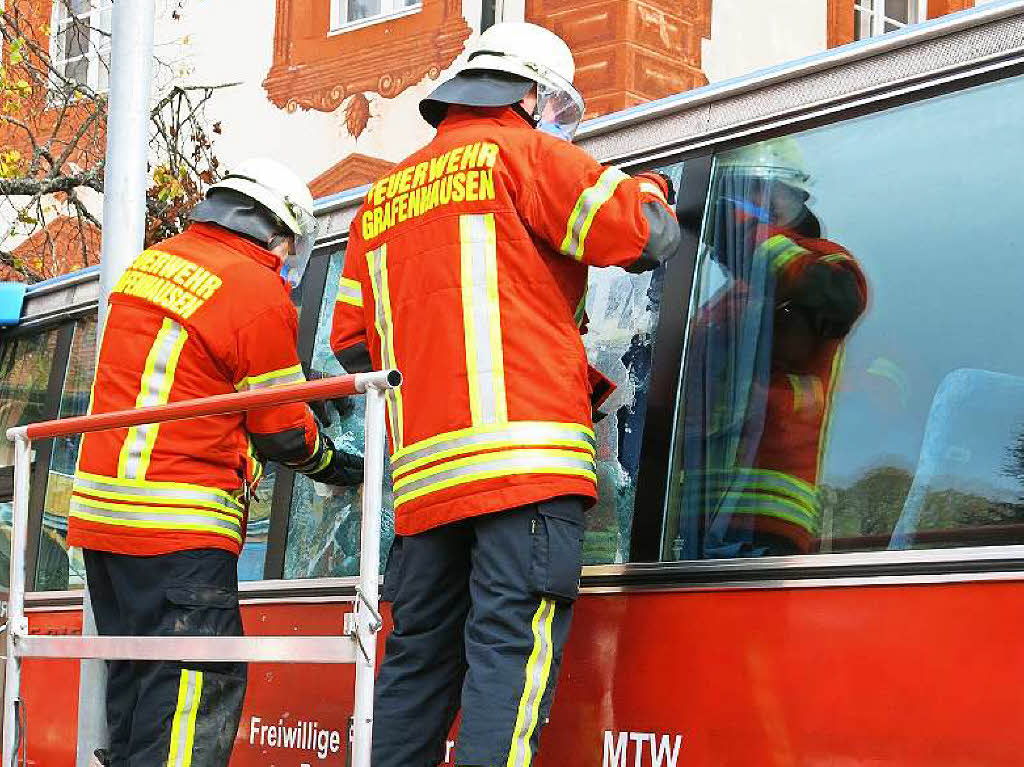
[[766, 351]]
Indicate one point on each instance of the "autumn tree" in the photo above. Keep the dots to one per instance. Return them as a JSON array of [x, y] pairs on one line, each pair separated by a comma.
[[54, 76]]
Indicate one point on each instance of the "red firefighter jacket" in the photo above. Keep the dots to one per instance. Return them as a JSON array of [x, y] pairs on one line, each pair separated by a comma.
[[467, 269], [199, 314]]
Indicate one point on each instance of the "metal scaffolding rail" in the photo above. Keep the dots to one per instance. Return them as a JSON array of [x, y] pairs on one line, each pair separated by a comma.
[[357, 644]]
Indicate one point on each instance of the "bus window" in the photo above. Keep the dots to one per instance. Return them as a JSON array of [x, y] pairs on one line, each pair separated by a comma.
[[852, 378], [323, 529], [622, 316], [24, 375], [58, 568]]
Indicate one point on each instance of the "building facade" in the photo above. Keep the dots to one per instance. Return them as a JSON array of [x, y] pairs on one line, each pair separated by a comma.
[[330, 87]]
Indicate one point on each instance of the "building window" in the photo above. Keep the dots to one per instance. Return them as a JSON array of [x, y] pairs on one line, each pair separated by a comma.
[[346, 14], [876, 17], [80, 41]]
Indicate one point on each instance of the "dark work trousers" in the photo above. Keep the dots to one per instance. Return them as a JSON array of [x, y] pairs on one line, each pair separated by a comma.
[[481, 613], [169, 712]]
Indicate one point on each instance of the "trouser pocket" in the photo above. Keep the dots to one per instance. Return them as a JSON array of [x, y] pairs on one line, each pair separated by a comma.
[[556, 533], [202, 610]]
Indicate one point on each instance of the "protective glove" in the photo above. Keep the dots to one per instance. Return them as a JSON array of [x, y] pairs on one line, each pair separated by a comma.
[[339, 468]]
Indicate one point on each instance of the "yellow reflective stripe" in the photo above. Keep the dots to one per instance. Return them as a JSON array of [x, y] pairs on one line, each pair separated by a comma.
[[141, 500], [785, 257], [529, 430], [145, 524], [751, 475], [538, 455], [808, 392], [350, 292], [158, 511], [538, 670], [652, 188], [492, 465], [157, 487], [481, 318], [491, 446], [154, 389], [286, 375], [183, 725], [587, 206], [826, 423], [492, 474], [581, 307], [377, 262], [835, 258]]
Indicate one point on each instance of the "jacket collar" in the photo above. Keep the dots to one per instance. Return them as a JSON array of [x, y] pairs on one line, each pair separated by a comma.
[[237, 243], [461, 116]]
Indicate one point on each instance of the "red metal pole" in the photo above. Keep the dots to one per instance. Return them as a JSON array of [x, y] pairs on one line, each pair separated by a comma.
[[325, 388]]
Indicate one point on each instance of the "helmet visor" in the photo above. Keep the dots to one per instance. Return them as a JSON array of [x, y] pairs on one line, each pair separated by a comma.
[[295, 263], [559, 110]]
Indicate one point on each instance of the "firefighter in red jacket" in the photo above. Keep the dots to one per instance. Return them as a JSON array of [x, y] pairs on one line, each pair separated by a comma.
[[160, 509], [465, 269], [766, 352]]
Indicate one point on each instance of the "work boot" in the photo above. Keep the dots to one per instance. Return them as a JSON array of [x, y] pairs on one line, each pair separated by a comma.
[[100, 758]]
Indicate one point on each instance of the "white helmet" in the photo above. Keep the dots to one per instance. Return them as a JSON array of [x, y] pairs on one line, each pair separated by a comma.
[[529, 54], [779, 160], [280, 191]]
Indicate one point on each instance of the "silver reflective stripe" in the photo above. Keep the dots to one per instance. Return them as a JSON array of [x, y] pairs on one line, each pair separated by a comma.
[[481, 467], [586, 208], [377, 262], [514, 434], [155, 390], [160, 493], [481, 316], [172, 518], [350, 292], [538, 670], [290, 375]]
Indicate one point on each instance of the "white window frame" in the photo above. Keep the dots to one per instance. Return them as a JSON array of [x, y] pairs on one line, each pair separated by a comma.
[[389, 10], [98, 53], [917, 11]]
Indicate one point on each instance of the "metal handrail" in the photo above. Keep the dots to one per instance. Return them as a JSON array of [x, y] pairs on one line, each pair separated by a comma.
[[357, 644]]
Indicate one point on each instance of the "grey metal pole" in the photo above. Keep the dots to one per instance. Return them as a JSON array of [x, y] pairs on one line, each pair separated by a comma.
[[124, 228]]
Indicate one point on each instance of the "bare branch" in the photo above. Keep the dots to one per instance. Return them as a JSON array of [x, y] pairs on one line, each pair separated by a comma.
[[93, 179]]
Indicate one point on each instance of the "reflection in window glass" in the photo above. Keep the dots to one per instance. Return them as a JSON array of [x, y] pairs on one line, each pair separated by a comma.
[[850, 378], [6, 518], [57, 567], [24, 375], [324, 527]]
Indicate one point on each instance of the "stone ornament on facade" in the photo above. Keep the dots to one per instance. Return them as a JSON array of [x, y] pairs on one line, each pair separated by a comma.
[[316, 69]]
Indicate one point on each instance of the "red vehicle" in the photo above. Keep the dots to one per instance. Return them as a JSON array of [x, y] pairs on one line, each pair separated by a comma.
[[697, 640]]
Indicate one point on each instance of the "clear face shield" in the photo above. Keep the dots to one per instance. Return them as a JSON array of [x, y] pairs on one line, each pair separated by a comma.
[[559, 109], [295, 263]]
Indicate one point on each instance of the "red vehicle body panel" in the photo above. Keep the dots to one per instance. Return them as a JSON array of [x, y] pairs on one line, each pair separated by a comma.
[[908, 675]]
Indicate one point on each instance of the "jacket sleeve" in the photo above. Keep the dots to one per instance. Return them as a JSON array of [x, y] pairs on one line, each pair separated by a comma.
[[348, 326], [828, 287], [599, 215]]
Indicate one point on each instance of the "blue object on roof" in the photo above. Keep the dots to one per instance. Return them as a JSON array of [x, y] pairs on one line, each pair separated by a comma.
[[12, 297]]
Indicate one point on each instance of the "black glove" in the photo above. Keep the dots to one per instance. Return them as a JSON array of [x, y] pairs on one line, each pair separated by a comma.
[[331, 466], [342, 469], [830, 298], [343, 406]]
